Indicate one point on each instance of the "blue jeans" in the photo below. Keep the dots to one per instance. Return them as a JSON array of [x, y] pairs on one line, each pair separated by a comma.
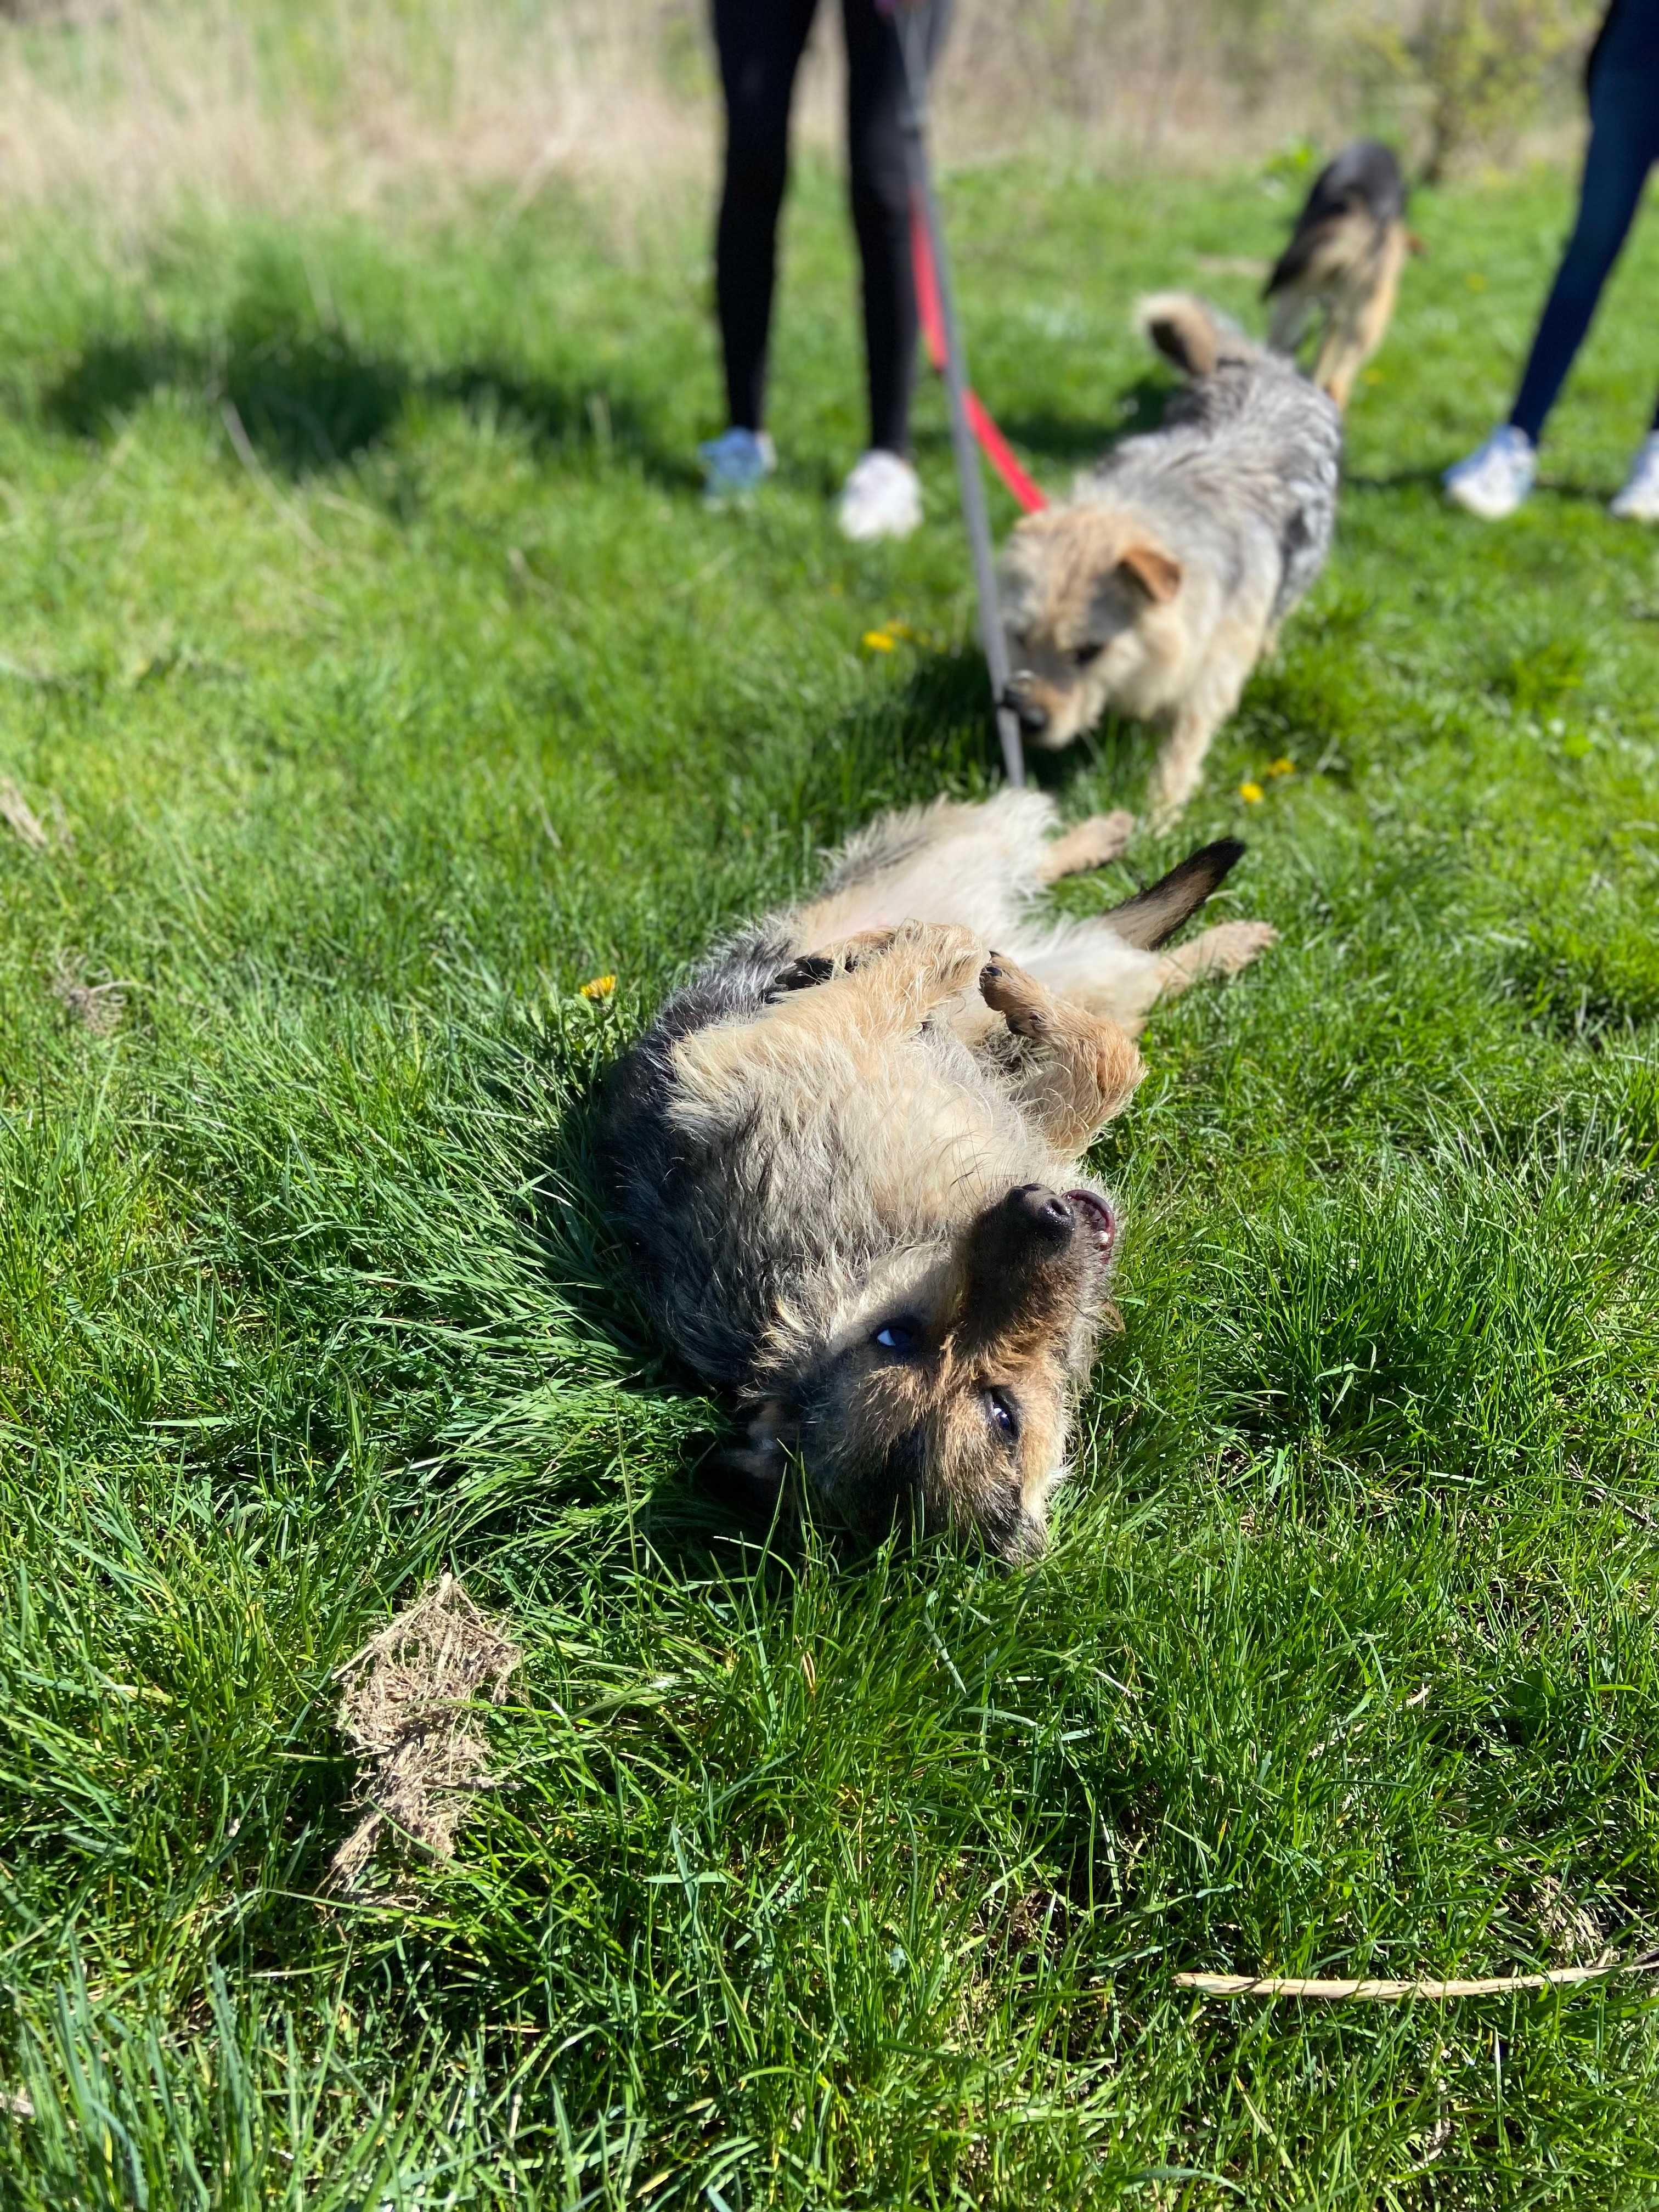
[[1624, 146]]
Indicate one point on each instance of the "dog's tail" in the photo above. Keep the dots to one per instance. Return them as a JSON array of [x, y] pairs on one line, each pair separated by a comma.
[[1188, 331], [1156, 913]]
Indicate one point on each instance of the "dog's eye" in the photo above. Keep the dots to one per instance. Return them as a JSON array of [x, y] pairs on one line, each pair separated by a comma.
[[897, 1335], [1086, 653], [1002, 1411]]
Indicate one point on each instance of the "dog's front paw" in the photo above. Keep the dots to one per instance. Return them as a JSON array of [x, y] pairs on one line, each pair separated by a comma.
[[945, 956], [1011, 991], [840, 958]]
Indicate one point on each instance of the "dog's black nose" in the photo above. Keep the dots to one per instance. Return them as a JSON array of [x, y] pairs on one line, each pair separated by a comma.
[[1042, 1211]]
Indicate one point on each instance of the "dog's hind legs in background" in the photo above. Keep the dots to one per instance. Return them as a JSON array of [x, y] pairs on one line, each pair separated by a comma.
[[1358, 322], [983, 866]]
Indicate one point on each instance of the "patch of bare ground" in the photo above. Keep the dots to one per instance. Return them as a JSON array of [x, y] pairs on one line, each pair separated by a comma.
[[408, 1712]]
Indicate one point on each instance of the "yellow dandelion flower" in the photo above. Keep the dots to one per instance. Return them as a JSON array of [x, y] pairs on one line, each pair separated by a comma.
[[1372, 376], [600, 987], [1475, 280], [1250, 793], [876, 640], [1282, 766]]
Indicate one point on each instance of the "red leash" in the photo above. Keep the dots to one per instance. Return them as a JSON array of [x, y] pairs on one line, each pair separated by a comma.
[[995, 446]]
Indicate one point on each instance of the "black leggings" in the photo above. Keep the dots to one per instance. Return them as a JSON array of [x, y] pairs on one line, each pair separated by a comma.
[[760, 44]]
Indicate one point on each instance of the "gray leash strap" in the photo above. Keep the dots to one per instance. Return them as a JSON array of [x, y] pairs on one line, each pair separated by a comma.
[[970, 483]]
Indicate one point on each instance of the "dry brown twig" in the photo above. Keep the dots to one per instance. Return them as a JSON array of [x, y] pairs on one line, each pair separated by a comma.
[[20, 818], [407, 1711], [1486, 1985]]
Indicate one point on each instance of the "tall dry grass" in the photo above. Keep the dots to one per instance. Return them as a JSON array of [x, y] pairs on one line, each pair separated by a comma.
[[130, 108]]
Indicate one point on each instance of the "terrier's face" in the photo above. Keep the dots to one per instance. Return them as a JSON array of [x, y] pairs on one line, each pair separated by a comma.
[[947, 1391], [1082, 591]]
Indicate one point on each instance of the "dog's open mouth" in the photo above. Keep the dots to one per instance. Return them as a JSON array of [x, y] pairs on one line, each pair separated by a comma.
[[1096, 1217]]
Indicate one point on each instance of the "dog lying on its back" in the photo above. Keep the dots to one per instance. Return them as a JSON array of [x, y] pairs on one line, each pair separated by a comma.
[[1345, 255], [846, 1156], [1158, 585]]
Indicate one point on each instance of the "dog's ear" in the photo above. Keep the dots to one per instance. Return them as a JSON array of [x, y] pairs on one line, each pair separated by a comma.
[[774, 1433], [1153, 570]]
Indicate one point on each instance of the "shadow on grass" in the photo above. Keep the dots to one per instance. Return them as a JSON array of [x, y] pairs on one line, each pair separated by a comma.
[[1429, 478], [1139, 406], [310, 400]]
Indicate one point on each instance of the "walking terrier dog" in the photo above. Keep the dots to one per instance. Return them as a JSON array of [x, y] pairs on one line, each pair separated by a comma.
[[1345, 255], [1157, 586], [847, 1157]]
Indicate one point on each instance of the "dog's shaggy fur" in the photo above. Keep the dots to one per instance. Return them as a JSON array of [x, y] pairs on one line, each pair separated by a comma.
[[1156, 587], [1344, 256], [845, 1157]]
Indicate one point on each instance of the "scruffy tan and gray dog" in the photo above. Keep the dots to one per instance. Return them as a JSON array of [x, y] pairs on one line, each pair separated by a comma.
[[1157, 586], [847, 1157]]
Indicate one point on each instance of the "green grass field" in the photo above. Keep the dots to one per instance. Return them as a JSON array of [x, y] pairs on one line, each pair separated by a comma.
[[377, 679]]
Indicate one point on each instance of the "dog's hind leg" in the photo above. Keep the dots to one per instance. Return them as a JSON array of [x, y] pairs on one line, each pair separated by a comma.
[[1112, 968], [1076, 1071], [1359, 320], [1222, 951], [948, 862], [1090, 844]]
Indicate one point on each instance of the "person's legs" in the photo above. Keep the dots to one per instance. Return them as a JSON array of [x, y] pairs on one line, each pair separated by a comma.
[[1624, 144], [880, 192], [1495, 479], [760, 44]]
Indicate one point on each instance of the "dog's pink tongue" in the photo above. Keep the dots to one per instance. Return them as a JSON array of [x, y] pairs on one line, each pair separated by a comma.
[[1100, 1216]]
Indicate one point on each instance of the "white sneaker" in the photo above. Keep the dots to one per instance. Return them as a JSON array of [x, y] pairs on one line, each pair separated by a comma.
[[882, 498], [734, 463], [1640, 500], [1497, 476]]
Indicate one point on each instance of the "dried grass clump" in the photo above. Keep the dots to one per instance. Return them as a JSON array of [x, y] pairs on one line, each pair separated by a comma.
[[134, 109], [98, 1007], [407, 1711]]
